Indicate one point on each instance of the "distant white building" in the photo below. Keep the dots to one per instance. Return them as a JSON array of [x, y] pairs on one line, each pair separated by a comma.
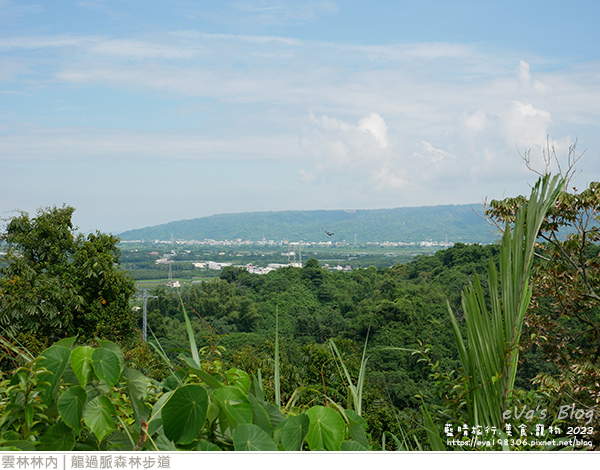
[[217, 266], [258, 269]]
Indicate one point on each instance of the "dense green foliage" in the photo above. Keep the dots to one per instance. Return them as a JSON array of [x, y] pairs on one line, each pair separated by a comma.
[[81, 398], [404, 306], [395, 358], [56, 283]]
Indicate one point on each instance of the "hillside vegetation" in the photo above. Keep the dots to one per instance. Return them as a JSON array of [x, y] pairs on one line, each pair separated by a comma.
[[455, 223], [478, 347]]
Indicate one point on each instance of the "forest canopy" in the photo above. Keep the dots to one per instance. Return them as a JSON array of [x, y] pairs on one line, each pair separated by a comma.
[[395, 358], [56, 283]]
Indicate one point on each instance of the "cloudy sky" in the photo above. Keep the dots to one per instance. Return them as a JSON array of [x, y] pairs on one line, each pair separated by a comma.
[[143, 112]]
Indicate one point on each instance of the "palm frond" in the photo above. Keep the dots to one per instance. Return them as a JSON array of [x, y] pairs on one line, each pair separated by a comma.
[[490, 354]]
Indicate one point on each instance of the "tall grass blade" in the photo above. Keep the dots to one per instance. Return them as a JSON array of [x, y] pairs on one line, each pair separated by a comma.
[[433, 436], [356, 391], [190, 332], [14, 350], [276, 372], [160, 351]]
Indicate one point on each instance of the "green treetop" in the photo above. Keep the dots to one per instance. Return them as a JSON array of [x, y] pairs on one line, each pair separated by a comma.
[[56, 283]]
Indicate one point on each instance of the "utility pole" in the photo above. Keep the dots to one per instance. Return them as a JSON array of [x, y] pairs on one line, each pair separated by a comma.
[[145, 297]]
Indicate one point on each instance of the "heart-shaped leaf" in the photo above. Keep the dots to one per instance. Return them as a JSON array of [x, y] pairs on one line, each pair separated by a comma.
[[70, 406], [235, 403], [239, 378], [81, 363], [326, 429], [352, 446], [249, 437], [206, 446], [184, 415], [137, 386], [58, 438], [55, 360], [294, 432], [106, 366], [116, 349], [97, 414]]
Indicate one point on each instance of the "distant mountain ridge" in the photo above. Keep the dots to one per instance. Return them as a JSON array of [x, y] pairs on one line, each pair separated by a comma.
[[453, 223]]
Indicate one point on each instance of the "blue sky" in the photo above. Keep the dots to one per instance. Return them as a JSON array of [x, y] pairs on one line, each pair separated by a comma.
[[143, 112]]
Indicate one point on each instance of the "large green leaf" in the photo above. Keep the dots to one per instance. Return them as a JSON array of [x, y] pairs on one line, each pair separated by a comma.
[[357, 426], [55, 360], [239, 378], [275, 416], [184, 415], [206, 446], [352, 446], [163, 444], [197, 369], [26, 446], [70, 406], [261, 417], [137, 387], [173, 381], [116, 349], [294, 432], [97, 414], [249, 437], [66, 342], [81, 363], [155, 421], [235, 404], [58, 438], [326, 429], [106, 366]]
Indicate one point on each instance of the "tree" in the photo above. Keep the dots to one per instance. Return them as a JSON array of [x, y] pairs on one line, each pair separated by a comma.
[[563, 323], [56, 283]]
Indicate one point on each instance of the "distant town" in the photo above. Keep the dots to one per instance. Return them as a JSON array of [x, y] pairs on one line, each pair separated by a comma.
[[240, 242], [196, 260]]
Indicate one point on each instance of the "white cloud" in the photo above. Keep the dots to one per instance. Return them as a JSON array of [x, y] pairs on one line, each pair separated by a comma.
[[525, 126], [375, 125], [306, 177], [285, 11], [69, 144], [388, 180], [434, 155], [542, 88], [137, 49], [524, 73], [342, 146], [526, 80], [391, 120], [476, 121]]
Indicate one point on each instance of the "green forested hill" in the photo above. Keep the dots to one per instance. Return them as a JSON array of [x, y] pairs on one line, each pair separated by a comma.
[[455, 223]]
